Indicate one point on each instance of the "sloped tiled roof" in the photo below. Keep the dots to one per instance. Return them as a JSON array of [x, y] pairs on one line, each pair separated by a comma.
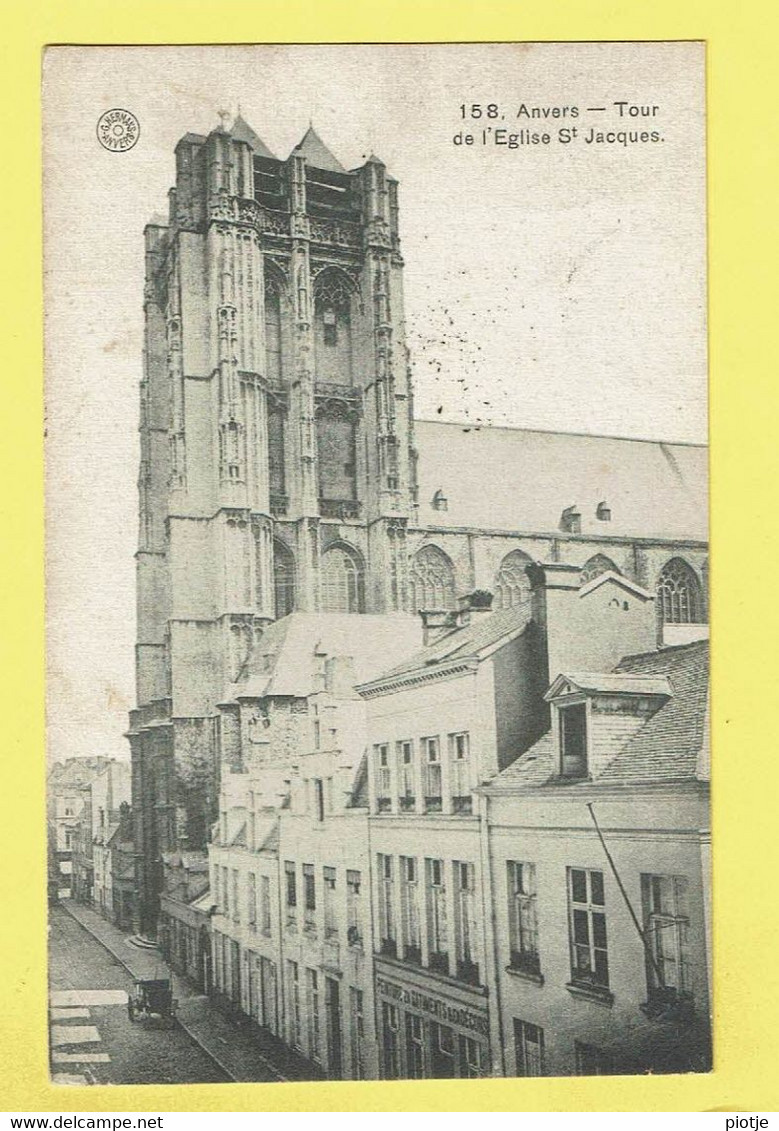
[[670, 746], [316, 153], [522, 480], [288, 660], [464, 643], [616, 683], [242, 131], [359, 797]]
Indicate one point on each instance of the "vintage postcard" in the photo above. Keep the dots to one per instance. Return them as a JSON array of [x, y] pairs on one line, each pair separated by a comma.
[[377, 562]]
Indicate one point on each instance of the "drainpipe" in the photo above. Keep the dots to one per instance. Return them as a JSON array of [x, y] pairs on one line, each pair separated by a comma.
[[492, 971]]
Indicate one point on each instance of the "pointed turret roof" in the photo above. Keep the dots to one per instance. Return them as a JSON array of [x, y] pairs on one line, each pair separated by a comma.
[[242, 131], [316, 153]]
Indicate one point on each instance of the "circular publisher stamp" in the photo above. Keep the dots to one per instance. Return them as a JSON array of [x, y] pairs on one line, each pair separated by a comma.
[[118, 130]]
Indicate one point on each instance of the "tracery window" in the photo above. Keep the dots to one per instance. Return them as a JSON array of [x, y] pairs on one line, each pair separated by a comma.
[[431, 580], [336, 452], [272, 328], [333, 329], [679, 594], [343, 581], [597, 565], [283, 579], [512, 585]]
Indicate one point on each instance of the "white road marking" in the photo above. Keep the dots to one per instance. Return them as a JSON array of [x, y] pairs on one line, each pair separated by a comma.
[[74, 1035], [69, 1013], [80, 1058], [69, 1078], [88, 997]]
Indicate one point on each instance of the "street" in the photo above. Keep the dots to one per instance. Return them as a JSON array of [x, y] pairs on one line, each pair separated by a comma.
[[92, 1039]]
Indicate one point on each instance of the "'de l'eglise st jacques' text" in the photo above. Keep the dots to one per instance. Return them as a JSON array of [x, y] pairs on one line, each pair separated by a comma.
[[608, 124]]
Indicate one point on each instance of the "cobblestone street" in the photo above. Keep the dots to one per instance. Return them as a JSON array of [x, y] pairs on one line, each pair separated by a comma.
[[92, 1039]]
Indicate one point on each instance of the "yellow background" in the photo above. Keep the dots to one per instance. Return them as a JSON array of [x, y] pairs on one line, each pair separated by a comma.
[[743, 109]]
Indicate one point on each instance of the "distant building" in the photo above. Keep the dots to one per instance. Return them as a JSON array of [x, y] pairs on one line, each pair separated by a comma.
[[282, 468], [101, 799], [64, 803]]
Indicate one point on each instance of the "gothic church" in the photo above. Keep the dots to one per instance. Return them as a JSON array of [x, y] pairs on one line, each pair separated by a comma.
[[282, 468]]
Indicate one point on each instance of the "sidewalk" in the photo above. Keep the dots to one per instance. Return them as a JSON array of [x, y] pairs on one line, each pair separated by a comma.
[[244, 1051]]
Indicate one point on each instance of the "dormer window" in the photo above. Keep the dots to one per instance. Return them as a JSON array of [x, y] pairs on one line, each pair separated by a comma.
[[603, 512], [573, 741], [571, 521]]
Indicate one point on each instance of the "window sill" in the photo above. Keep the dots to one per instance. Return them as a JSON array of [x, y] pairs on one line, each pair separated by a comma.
[[525, 975], [599, 994]]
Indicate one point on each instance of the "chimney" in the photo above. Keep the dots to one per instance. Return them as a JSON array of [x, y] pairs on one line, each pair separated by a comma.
[[436, 623], [589, 630], [475, 606]]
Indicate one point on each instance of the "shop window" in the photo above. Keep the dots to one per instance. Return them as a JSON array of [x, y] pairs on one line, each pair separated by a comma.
[[523, 917], [390, 1019], [443, 1052], [432, 770], [666, 927], [593, 1061], [293, 998], [406, 785], [357, 1033], [459, 757], [409, 896], [587, 929], [383, 778], [415, 1047], [529, 1048], [438, 947], [473, 1058], [573, 741], [312, 1012], [431, 580]]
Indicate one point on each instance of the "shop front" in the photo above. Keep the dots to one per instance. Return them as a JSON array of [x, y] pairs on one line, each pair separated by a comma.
[[429, 1027]]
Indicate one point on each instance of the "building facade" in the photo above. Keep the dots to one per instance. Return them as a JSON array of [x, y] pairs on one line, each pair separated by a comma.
[[284, 488]]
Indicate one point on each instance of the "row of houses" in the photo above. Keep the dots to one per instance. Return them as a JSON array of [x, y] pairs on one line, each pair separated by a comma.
[[91, 851], [471, 844]]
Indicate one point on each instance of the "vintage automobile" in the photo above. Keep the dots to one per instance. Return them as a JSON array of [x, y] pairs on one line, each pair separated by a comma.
[[151, 997]]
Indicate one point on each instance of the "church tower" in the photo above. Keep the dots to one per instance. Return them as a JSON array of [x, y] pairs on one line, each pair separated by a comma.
[[277, 463]]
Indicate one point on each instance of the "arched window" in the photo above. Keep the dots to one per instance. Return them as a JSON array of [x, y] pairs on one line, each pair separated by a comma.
[[431, 580], [336, 452], [272, 328], [333, 329], [512, 585], [343, 581], [597, 565], [283, 579], [679, 594]]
